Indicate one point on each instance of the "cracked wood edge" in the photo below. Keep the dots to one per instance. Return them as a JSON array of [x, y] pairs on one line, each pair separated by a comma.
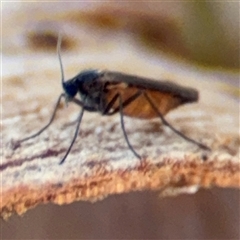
[[170, 174]]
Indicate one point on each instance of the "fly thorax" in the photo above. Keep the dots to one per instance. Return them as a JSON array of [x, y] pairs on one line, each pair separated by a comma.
[[91, 90]]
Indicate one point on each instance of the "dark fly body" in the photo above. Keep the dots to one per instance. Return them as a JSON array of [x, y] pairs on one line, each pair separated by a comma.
[[109, 93]]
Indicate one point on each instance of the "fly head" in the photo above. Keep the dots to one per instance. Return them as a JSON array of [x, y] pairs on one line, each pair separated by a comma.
[[89, 86]]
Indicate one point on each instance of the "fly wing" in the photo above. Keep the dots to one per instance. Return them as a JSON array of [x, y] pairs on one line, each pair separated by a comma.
[[187, 94], [165, 95]]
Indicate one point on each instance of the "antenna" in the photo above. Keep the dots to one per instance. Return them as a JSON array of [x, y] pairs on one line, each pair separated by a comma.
[[59, 56]]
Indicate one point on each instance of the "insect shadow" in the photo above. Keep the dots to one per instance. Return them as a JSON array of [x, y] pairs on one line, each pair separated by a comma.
[[110, 92]]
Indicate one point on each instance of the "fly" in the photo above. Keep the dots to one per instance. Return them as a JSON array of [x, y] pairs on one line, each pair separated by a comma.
[[109, 92]]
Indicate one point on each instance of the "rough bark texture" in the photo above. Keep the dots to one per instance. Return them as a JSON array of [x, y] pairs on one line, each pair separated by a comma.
[[100, 163]]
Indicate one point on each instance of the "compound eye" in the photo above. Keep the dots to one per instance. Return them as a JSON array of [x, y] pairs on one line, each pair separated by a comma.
[[70, 89]]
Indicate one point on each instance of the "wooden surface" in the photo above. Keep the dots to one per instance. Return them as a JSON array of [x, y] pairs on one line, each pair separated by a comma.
[[100, 163]]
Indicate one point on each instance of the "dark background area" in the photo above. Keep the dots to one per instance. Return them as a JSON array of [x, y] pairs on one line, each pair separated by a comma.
[[208, 214]]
